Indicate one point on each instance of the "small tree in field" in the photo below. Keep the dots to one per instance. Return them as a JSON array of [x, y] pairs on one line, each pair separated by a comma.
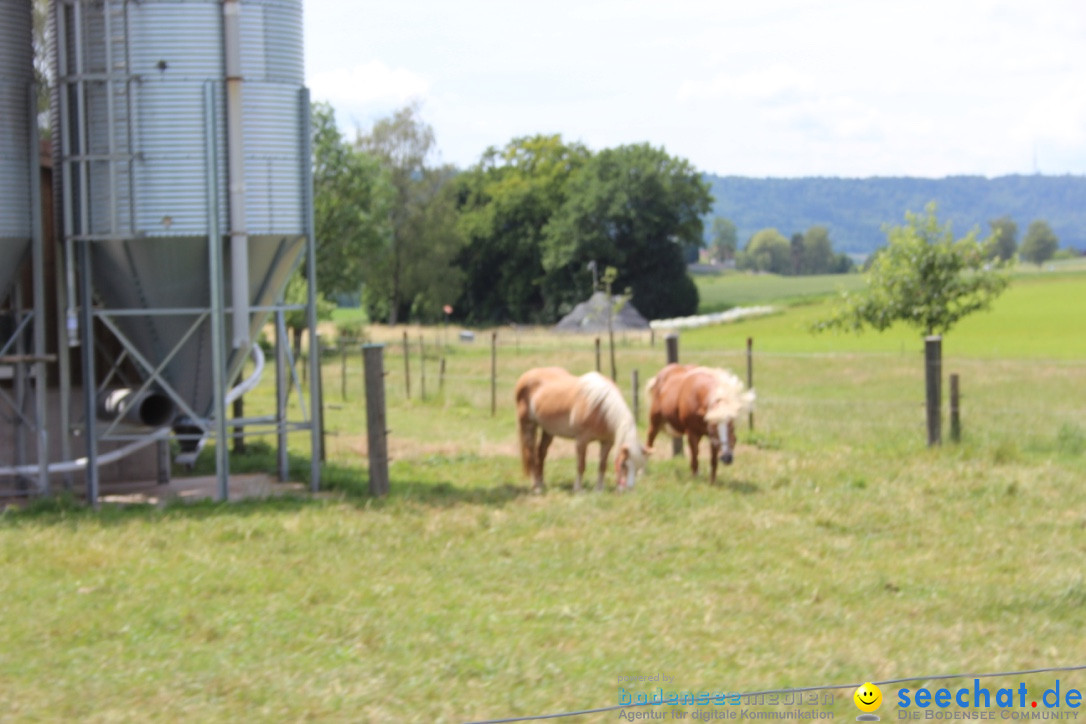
[[922, 277], [925, 278]]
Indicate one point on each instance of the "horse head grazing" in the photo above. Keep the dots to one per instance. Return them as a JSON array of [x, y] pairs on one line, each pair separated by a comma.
[[630, 461], [603, 397], [728, 400]]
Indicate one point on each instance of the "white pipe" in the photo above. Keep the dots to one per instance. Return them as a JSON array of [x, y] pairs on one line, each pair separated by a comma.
[[71, 466], [251, 381], [188, 457], [239, 236]]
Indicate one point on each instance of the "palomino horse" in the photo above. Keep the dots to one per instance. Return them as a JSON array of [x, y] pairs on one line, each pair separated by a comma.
[[586, 409], [698, 401]]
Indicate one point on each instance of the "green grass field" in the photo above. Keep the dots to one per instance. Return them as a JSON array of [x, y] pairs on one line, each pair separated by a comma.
[[838, 548]]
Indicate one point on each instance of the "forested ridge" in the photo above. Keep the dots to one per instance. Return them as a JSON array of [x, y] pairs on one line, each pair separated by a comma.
[[855, 210]]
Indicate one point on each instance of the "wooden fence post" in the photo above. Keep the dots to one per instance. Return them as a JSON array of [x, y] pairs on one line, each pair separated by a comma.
[[493, 373], [441, 377], [406, 366], [611, 350], [634, 389], [597, 353], [422, 369], [376, 432], [750, 377], [955, 410], [933, 383], [342, 370], [672, 343]]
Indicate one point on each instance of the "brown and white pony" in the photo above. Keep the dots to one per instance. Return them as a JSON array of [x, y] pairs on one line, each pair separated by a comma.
[[589, 408], [698, 402]]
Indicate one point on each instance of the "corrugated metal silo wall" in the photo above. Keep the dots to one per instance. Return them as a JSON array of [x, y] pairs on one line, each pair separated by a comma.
[[149, 202], [16, 76]]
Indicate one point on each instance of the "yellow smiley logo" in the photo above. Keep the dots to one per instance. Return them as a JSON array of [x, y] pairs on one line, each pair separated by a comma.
[[867, 697]]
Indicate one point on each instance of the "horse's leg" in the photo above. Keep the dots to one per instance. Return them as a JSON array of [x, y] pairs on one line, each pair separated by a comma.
[[714, 457], [544, 443], [656, 422], [693, 439], [605, 450], [582, 451]]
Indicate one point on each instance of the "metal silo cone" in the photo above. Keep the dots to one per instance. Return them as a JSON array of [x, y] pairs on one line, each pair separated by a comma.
[[166, 277]]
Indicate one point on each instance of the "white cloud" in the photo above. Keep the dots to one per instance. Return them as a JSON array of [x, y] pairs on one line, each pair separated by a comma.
[[1060, 115], [368, 83], [779, 87], [774, 83]]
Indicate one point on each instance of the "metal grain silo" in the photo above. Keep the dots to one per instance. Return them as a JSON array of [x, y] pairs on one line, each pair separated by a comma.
[[148, 154], [184, 158], [16, 155]]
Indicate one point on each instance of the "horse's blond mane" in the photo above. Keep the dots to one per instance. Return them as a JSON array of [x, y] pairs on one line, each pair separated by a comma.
[[729, 399], [602, 393]]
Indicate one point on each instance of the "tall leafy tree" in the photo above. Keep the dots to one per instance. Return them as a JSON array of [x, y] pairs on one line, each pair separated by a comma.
[[1040, 243], [923, 277], [403, 144], [1003, 242], [818, 256], [432, 280], [351, 203], [505, 201], [634, 208], [724, 239], [798, 262], [767, 251]]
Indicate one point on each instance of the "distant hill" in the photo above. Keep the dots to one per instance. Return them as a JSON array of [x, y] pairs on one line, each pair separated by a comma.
[[855, 210]]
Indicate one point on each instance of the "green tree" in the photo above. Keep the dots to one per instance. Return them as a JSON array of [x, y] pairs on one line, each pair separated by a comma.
[[634, 208], [296, 320], [724, 239], [403, 144], [922, 277], [767, 251], [504, 202], [797, 265], [1040, 243], [818, 256], [351, 200], [1003, 242], [432, 279]]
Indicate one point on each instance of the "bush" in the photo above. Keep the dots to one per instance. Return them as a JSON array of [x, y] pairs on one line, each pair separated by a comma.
[[352, 330]]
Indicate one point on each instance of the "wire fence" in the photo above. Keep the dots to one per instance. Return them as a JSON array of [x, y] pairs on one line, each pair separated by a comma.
[[811, 397]]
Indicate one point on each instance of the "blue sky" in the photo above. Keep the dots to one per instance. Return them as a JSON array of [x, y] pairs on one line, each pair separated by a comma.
[[767, 88]]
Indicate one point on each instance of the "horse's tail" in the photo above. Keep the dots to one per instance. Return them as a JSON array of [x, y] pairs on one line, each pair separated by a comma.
[[525, 426]]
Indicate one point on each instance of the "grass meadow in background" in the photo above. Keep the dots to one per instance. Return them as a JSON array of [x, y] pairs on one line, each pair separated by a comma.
[[838, 548]]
